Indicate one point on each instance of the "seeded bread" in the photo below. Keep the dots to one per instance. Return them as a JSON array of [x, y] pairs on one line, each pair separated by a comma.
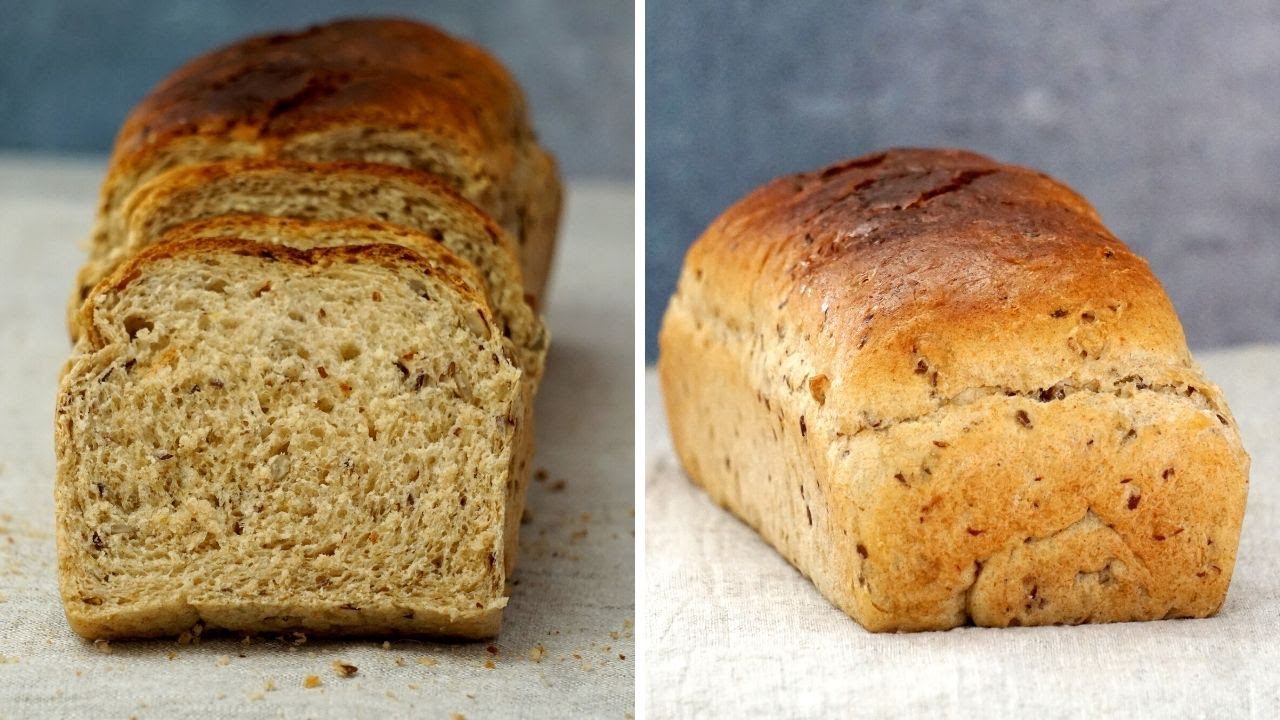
[[947, 394], [518, 325], [265, 438], [327, 191], [377, 90]]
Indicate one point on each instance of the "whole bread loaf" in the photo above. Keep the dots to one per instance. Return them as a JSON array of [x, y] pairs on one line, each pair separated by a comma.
[[947, 394], [388, 91], [259, 437]]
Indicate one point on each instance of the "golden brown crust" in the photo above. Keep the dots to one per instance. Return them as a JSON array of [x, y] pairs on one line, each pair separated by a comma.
[[381, 72], [926, 377], [912, 252]]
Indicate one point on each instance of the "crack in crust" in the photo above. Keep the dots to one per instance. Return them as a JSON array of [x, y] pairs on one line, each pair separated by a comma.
[[1125, 387]]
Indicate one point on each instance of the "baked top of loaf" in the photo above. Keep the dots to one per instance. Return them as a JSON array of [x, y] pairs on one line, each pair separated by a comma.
[[376, 72], [896, 263], [263, 437], [419, 201]]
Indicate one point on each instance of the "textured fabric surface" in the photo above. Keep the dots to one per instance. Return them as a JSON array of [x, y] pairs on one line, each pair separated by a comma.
[[734, 631], [574, 592]]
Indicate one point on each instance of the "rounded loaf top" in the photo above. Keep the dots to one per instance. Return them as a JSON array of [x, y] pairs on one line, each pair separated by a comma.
[[379, 72], [904, 278]]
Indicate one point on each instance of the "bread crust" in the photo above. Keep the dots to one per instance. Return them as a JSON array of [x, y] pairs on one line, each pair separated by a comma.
[[367, 89], [948, 394]]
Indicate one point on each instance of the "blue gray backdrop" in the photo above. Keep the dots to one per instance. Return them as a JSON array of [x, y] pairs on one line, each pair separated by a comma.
[[1166, 115], [71, 69]]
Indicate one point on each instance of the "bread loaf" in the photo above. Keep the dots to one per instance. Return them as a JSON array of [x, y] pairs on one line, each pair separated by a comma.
[[947, 394], [388, 91], [261, 437], [328, 191]]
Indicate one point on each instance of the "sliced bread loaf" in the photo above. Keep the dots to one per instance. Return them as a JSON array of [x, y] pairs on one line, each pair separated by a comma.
[[261, 437], [374, 90], [328, 191]]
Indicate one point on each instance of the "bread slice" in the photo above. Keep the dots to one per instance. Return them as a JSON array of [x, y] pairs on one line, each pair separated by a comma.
[[328, 191], [260, 437], [376, 90]]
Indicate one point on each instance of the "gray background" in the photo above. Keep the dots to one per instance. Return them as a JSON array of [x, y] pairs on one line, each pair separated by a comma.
[[70, 70], [1166, 115]]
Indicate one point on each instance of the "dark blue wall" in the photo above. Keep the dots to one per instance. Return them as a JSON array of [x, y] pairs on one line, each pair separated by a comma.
[[69, 71], [1166, 115]]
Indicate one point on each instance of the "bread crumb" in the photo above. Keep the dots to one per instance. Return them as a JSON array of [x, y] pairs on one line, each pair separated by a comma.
[[540, 474], [224, 660], [3, 597], [269, 684], [557, 486], [492, 649], [399, 662], [312, 681], [344, 669], [9, 660], [628, 623], [414, 686], [184, 638], [537, 652], [102, 646], [299, 638], [386, 644], [428, 661], [392, 696], [488, 665], [171, 654], [457, 716]]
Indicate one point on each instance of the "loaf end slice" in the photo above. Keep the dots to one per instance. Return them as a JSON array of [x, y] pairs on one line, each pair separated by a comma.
[[260, 438], [947, 394]]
